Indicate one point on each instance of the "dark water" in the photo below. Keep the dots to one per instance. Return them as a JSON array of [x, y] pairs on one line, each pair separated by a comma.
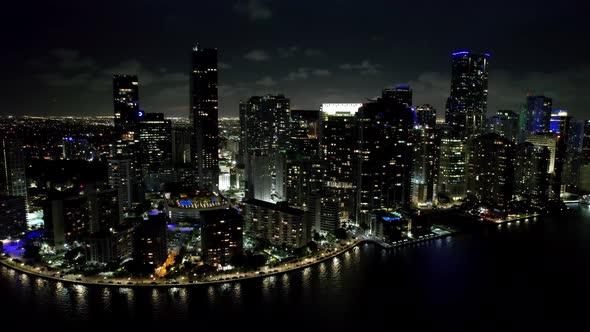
[[532, 274]]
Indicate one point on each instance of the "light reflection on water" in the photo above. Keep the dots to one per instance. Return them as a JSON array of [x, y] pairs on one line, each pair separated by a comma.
[[333, 280]]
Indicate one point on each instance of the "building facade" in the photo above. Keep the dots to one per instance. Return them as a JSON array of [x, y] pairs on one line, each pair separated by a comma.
[[467, 103], [204, 116]]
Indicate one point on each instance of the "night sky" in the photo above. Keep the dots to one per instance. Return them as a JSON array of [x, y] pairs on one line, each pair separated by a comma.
[[58, 57]]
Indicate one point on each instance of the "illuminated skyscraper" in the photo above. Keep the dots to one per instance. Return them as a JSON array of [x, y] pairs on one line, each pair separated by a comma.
[[467, 104], [385, 151], [265, 125], [426, 116], [303, 172], [339, 154], [155, 138], [121, 176], [13, 181], [491, 171], [538, 114], [204, 116], [531, 180], [505, 123], [425, 155], [452, 171], [126, 103], [402, 94]]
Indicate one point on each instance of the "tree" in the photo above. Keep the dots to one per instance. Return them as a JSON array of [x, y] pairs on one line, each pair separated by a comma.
[[340, 233], [32, 251], [317, 237], [313, 246], [364, 226]]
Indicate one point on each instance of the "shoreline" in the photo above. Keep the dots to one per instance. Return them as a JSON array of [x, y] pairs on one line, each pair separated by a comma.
[[148, 282], [240, 276]]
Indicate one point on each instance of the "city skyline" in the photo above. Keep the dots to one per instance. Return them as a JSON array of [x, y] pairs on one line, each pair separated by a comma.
[[255, 60]]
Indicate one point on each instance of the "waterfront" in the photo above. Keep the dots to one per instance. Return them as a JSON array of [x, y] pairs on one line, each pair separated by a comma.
[[532, 272]]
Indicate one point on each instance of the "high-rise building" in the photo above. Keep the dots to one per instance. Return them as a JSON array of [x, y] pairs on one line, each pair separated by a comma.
[[304, 137], [111, 245], [121, 176], [467, 104], [426, 116], [221, 235], [13, 181], [265, 128], [538, 114], [425, 155], [204, 116], [452, 169], [66, 217], [129, 148], [279, 224], [181, 146], [126, 103], [402, 94], [491, 171], [505, 123], [303, 174], [339, 147], [155, 138], [13, 216], [150, 249], [574, 156], [551, 141], [385, 163], [531, 180], [104, 210], [323, 212], [584, 177]]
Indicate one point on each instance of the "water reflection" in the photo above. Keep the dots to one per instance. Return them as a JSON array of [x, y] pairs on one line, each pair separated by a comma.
[[328, 283]]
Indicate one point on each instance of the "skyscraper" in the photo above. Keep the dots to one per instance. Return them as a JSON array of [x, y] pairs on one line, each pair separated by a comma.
[[505, 123], [126, 103], [425, 155], [531, 180], [538, 114], [402, 94], [13, 181], [339, 154], [385, 150], [265, 134], [491, 171], [204, 116], [467, 104], [426, 116], [303, 173], [155, 138], [121, 176], [452, 170]]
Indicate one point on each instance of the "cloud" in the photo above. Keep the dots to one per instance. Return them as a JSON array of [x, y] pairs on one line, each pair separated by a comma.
[[321, 72], [312, 52], [287, 52], [228, 90], [69, 59], [257, 55], [364, 68], [509, 91], [224, 65], [266, 81], [256, 10], [61, 80], [299, 74]]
